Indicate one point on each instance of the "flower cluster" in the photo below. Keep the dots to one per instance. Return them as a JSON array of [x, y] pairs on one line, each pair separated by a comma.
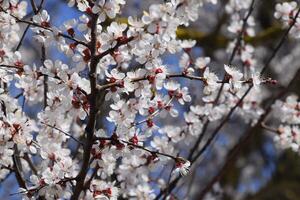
[[288, 114], [286, 12], [100, 127], [243, 26]]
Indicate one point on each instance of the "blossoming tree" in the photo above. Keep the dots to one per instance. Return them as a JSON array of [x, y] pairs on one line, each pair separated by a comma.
[[113, 118]]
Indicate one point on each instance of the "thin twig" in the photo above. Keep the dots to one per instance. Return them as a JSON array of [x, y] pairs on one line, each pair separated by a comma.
[[30, 163], [175, 158], [268, 128], [28, 25], [67, 134], [237, 44], [278, 46], [46, 28], [151, 116], [247, 136]]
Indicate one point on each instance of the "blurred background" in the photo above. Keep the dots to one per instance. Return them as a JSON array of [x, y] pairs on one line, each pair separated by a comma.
[[262, 171]]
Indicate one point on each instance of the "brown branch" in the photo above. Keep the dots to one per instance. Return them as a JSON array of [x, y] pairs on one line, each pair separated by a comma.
[[6, 167], [90, 128], [11, 67], [181, 75], [169, 76], [109, 85], [120, 42], [268, 128], [88, 182], [175, 158]]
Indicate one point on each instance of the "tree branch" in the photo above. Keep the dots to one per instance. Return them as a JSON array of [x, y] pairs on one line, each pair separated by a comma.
[[245, 139], [67, 134], [46, 28], [90, 128], [276, 49]]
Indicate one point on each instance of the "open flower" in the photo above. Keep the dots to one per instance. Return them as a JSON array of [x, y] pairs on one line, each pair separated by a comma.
[[202, 62], [234, 77], [182, 166], [42, 18]]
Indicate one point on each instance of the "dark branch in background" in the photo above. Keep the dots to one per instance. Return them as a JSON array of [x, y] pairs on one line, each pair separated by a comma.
[[276, 49], [34, 7], [90, 130], [214, 41], [249, 89], [237, 44], [236, 47], [234, 152], [241, 33], [219, 127], [23, 37]]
